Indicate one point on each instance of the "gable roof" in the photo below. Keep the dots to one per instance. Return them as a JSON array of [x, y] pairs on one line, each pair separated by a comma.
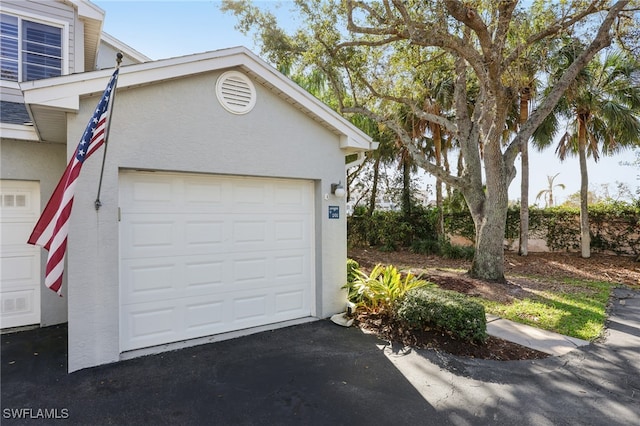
[[13, 113], [49, 99], [124, 48]]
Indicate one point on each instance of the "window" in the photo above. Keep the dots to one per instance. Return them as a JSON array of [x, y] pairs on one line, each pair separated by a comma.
[[9, 47], [29, 50]]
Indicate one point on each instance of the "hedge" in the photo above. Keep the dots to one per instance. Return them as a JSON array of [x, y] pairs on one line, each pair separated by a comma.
[[614, 227], [443, 309]]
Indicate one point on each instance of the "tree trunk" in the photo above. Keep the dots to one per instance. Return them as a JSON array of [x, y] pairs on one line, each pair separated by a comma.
[[374, 187], [447, 168], [585, 237], [406, 184], [488, 261], [523, 246], [437, 141], [489, 211]]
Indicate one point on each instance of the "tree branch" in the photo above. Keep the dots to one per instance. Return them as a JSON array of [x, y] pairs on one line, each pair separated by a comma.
[[418, 112], [407, 142], [551, 30], [470, 17]]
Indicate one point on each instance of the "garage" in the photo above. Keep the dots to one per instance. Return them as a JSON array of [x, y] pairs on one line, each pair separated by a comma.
[[207, 254], [20, 262], [219, 210]]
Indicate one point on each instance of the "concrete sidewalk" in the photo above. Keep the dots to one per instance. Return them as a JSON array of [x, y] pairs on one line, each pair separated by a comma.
[[531, 337]]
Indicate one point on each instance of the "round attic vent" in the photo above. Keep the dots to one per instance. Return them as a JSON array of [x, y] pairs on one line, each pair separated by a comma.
[[235, 92]]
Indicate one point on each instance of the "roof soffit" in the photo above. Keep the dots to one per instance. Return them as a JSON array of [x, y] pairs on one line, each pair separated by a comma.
[[92, 16]]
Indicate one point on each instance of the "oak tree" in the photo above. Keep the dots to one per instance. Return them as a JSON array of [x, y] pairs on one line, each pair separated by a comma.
[[377, 54]]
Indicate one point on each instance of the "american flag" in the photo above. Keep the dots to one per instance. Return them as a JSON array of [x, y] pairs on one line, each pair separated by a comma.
[[53, 226]]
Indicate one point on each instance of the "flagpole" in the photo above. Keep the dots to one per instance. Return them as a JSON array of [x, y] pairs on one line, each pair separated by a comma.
[[106, 134]]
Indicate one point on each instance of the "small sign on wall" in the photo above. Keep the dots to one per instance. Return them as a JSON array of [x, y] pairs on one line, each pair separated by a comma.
[[334, 212]]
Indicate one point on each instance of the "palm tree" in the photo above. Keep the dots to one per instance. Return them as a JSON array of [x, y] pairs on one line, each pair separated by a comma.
[[523, 244], [602, 109], [548, 192]]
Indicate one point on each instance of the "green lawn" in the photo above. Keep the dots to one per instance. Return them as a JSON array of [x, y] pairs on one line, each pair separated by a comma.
[[578, 310]]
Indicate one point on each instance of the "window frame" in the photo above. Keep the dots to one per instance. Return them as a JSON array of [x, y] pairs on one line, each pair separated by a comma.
[[51, 22]]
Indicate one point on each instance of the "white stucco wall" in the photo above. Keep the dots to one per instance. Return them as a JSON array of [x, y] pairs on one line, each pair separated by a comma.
[[44, 163], [179, 125]]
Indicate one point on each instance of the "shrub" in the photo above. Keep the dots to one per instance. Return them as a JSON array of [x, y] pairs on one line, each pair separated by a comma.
[[445, 310], [450, 251], [389, 230], [429, 246], [352, 267], [382, 287], [443, 248]]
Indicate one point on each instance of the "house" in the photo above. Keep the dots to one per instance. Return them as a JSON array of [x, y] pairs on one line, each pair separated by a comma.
[[219, 213]]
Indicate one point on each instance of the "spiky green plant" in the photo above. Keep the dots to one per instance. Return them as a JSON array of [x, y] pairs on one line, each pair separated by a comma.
[[381, 287]]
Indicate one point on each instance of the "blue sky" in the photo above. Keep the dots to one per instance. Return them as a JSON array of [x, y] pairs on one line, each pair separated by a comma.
[[164, 29]]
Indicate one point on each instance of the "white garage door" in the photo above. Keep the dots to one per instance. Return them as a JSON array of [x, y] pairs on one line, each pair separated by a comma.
[[203, 254], [19, 261]]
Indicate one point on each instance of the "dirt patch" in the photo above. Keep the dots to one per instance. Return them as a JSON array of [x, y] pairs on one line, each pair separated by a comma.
[[524, 274]]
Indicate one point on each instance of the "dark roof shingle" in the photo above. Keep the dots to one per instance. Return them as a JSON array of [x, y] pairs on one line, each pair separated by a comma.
[[13, 113]]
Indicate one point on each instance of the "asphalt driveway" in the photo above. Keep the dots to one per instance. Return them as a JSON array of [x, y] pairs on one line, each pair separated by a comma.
[[322, 374]]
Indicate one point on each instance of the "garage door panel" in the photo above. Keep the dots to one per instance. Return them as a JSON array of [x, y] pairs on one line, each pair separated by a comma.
[[158, 234], [292, 197], [19, 307], [225, 253], [19, 261], [249, 232], [247, 195], [193, 234], [170, 278], [14, 232], [289, 301], [166, 234], [152, 193], [175, 277], [250, 271], [155, 323], [292, 232], [151, 279], [204, 234], [19, 269], [147, 324], [250, 308], [204, 316], [291, 267], [205, 275], [204, 195]]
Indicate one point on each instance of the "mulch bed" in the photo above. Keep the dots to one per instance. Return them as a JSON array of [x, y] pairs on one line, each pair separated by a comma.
[[538, 271], [392, 330]]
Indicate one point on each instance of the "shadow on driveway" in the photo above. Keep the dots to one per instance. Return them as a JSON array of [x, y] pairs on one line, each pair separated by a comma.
[[314, 374], [322, 374]]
